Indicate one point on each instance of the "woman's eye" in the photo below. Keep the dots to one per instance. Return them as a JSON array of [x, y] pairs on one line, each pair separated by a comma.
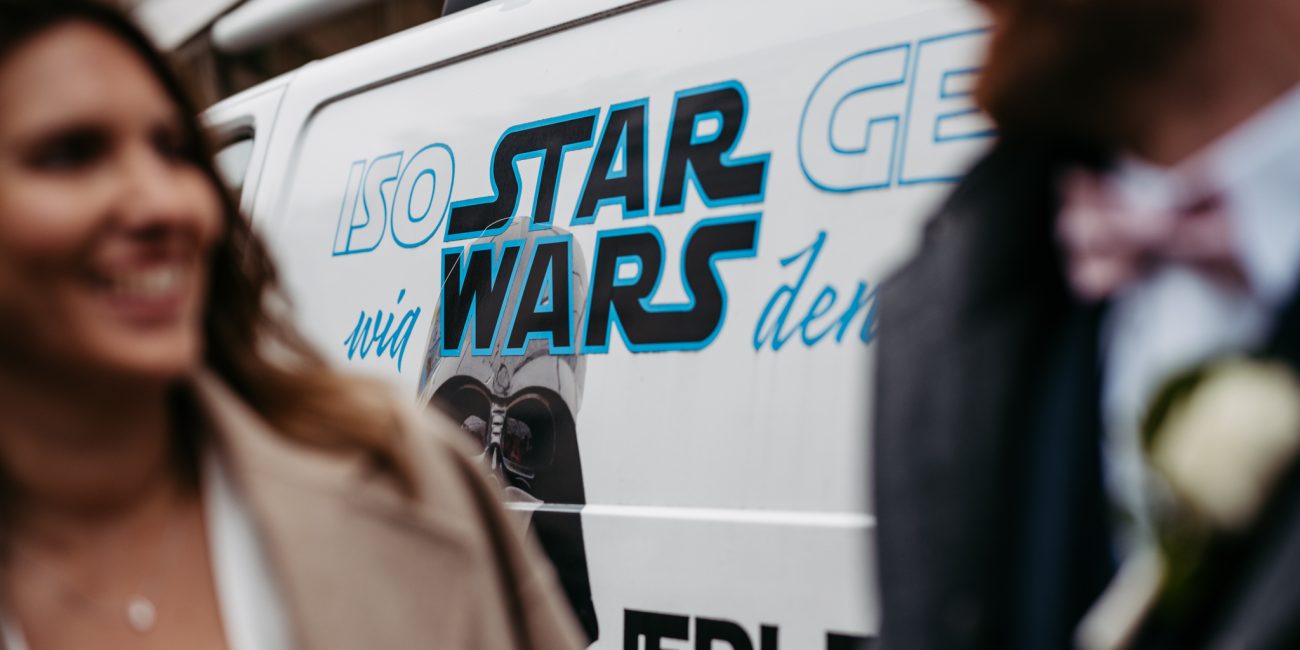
[[71, 151]]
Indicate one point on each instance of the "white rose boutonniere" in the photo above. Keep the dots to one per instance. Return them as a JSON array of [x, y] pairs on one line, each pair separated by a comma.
[[1224, 446], [1218, 439]]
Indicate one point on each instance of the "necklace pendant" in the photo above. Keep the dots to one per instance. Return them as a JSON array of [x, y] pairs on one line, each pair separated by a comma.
[[141, 614]]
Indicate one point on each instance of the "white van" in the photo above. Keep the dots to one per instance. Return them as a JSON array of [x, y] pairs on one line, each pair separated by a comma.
[[633, 246]]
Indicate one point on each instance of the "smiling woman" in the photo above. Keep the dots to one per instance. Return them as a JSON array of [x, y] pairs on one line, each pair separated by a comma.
[[177, 468], [107, 230]]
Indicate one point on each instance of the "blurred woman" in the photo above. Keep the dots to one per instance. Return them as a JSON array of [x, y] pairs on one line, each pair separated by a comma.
[[178, 469]]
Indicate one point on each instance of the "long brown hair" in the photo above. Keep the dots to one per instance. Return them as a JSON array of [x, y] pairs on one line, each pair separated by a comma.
[[250, 343]]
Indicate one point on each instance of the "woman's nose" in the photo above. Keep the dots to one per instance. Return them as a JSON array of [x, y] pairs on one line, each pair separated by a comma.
[[156, 194]]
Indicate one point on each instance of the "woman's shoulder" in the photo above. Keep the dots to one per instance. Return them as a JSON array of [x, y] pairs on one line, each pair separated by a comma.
[[436, 456], [413, 460], [416, 531], [450, 486]]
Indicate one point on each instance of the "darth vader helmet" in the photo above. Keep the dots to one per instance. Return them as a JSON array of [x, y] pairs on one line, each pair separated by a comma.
[[519, 408]]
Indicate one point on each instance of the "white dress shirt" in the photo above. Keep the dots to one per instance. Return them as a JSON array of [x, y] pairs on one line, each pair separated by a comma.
[[1174, 318], [252, 610]]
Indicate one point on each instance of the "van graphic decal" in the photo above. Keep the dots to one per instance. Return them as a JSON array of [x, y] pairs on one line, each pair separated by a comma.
[[521, 409]]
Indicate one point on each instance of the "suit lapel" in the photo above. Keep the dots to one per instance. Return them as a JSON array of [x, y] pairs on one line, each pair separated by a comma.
[[355, 561], [1063, 553], [1260, 610]]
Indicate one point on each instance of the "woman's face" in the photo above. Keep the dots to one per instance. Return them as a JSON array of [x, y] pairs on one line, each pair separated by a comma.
[[105, 228]]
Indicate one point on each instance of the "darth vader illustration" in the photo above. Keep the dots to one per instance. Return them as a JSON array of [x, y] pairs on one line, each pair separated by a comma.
[[521, 411]]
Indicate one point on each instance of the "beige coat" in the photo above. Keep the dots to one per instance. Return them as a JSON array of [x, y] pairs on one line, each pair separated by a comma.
[[363, 568]]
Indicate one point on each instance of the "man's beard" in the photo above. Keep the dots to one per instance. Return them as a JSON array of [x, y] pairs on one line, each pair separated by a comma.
[[1072, 70]]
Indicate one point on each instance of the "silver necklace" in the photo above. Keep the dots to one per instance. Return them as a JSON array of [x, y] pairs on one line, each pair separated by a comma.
[[140, 612]]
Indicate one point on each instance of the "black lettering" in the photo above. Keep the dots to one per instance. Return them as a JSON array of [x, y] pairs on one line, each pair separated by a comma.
[[719, 178], [654, 628], [836, 641], [625, 125], [477, 288], [495, 212], [709, 630], [550, 261], [709, 241], [682, 327], [609, 296]]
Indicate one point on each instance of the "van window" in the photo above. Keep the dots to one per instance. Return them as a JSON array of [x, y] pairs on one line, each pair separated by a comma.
[[232, 163]]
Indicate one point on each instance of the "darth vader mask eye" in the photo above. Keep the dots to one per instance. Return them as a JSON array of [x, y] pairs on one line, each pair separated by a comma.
[[470, 406], [477, 428], [517, 443], [530, 428]]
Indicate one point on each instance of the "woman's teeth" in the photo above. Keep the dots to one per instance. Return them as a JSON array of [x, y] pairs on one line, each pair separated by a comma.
[[154, 283]]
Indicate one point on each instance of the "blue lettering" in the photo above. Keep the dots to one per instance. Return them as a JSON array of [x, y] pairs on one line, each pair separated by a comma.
[[898, 115], [813, 328], [376, 332]]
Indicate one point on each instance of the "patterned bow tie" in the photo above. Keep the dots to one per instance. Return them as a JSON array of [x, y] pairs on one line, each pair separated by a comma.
[[1109, 245]]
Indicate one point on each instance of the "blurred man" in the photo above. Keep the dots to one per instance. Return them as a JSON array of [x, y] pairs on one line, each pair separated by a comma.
[[1140, 216]]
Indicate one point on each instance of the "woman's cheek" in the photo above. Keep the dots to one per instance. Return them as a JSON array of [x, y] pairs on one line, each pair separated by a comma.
[[44, 218]]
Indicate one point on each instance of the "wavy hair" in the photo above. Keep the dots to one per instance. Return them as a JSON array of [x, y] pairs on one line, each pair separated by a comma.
[[249, 340]]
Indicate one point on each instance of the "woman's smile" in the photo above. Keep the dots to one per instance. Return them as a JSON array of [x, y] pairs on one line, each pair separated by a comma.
[[148, 293]]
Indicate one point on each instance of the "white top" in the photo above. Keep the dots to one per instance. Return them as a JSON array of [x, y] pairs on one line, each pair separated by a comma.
[[252, 610], [1174, 318]]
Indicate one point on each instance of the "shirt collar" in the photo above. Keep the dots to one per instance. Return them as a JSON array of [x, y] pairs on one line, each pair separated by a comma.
[[1255, 170]]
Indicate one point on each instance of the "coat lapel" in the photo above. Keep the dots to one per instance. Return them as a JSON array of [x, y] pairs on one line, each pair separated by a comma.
[[1260, 610], [359, 565]]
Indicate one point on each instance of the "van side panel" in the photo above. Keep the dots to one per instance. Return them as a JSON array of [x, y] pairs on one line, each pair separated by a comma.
[[638, 259]]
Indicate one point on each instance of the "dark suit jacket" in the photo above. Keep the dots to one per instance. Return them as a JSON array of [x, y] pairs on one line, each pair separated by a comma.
[[965, 328]]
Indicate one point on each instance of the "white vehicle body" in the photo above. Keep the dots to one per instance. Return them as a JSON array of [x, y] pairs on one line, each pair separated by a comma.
[[720, 387]]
